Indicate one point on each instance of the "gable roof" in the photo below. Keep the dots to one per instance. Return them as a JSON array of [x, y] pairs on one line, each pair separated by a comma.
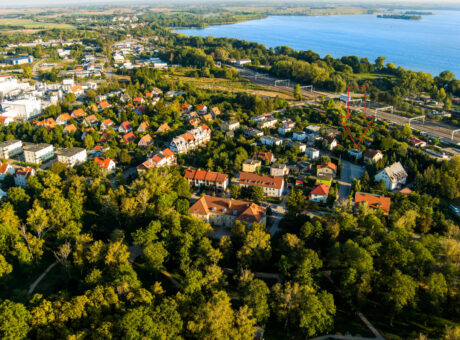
[[261, 180], [70, 128], [78, 113], [395, 172], [329, 165], [103, 162], [126, 125], [373, 200], [206, 175], [371, 153], [64, 117], [130, 136], [263, 156], [320, 189], [104, 104]]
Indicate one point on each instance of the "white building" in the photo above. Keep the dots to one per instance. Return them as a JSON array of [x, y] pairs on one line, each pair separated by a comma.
[[231, 125], [312, 153], [267, 123], [270, 140], [299, 136], [393, 175], [22, 108], [10, 148], [191, 139], [38, 153], [278, 169], [22, 175], [72, 156], [5, 170]]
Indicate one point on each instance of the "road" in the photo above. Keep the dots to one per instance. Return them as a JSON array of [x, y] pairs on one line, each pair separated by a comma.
[[349, 171]]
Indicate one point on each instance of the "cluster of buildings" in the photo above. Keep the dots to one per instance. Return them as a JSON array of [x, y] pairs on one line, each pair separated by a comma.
[[191, 140]]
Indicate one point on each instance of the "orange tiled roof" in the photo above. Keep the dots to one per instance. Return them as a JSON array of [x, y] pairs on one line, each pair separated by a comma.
[[374, 201], [263, 156], [104, 104], [70, 128], [327, 165], [103, 162], [129, 137], [64, 117], [261, 180], [78, 113], [320, 189]]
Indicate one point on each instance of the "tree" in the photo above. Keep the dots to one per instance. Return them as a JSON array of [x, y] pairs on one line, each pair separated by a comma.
[[256, 249], [255, 296], [14, 319], [5, 267], [297, 93], [257, 193], [296, 202], [380, 63], [89, 142], [401, 291]]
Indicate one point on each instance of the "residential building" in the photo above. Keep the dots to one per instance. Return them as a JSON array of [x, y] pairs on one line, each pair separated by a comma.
[[372, 156], [312, 153], [202, 109], [23, 59], [129, 137], [145, 141], [125, 127], [72, 156], [267, 123], [163, 128], [324, 179], [107, 123], [394, 176], [301, 146], [327, 168], [106, 164], [251, 133], [319, 193], [278, 169], [251, 165], [264, 156], [6, 120], [215, 111], [22, 175], [62, 119], [38, 153], [299, 136], [230, 125], [10, 148], [211, 179], [331, 142], [270, 140], [143, 127], [186, 108], [373, 201], [287, 126], [23, 109], [313, 129], [273, 186], [5, 170], [355, 153], [161, 159], [103, 105], [78, 113], [224, 212], [191, 139], [91, 121], [70, 129]]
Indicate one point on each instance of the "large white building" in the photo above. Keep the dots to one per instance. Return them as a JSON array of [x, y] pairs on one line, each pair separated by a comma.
[[72, 156], [394, 176], [22, 108], [38, 153], [10, 148], [191, 139]]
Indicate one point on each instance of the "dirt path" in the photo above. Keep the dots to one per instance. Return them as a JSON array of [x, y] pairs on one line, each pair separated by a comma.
[[37, 281]]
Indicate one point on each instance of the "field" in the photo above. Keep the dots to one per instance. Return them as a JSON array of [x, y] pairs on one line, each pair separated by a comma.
[[32, 24]]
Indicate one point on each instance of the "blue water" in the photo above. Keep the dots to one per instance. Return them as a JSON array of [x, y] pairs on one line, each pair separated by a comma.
[[430, 45]]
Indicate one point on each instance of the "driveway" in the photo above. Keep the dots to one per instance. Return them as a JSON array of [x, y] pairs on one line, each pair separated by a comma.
[[349, 171]]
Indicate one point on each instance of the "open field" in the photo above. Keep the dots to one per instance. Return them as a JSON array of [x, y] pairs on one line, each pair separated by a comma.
[[32, 24]]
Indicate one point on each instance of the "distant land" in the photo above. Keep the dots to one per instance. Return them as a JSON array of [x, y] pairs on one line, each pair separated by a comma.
[[399, 16]]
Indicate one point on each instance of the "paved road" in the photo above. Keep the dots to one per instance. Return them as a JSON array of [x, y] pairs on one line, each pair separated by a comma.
[[349, 171]]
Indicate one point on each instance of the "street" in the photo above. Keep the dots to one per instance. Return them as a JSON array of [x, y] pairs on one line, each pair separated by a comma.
[[349, 171]]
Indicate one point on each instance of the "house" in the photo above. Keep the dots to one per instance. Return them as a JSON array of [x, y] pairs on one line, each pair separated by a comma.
[[313, 129], [270, 140], [331, 142], [161, 159], [373, 201], [103, 105], [242, 62], [251, 165], [312, 139], [70, 129], [78, 113], [417, 142], [191, 140], [264, 156], [251, 133], [211, 179], [5, 170], [312, 153], [48, 123], [278, 169], [202, 109], [224, 212], [91, 121], [301, 146], [138, 100], [163, 128], [145, 141], [267, 123], [215, 111], [38, 153], [372, 156], [319, 193], [208, 117], [324, 179], [129, 137], [299, 136], [106, 164], [72, 156], [143, 127], [230, 125], [273, 186], [22, 175], [107, 123], [62, 119], [77, 90], [327, 168], [394, 176], [287, 126], [194, 122], [355, 153], [10, 148], [125, 127], [186, 108]]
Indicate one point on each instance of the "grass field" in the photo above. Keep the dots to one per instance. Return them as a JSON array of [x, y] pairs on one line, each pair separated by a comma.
[[32, 24]]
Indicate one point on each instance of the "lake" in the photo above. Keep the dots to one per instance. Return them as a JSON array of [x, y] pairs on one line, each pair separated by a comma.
[[430, 45]]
